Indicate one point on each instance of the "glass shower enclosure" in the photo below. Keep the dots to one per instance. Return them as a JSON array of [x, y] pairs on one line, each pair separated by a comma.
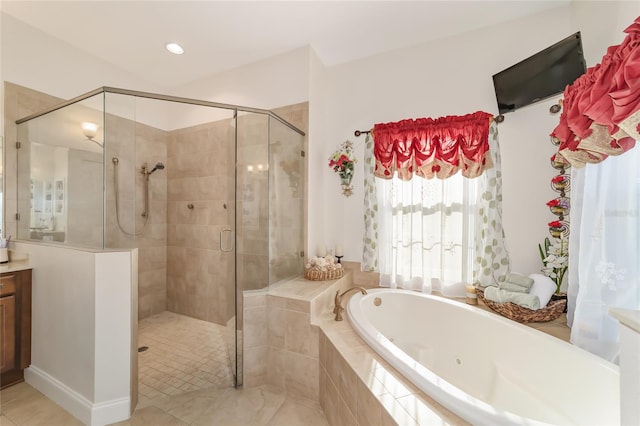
[[210, 194]]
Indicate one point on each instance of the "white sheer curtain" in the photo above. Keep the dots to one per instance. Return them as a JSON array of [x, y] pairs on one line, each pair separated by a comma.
[[433, 234], [427, 229], [604, 250]]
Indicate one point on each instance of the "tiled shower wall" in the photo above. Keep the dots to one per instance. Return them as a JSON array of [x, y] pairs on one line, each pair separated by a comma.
[[200, 170], [134, 144], [151, 148], [178, 240]]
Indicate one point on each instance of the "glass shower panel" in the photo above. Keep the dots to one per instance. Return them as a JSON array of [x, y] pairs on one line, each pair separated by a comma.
[[252, 229], [121, 178], [286, 202], [60, 179]]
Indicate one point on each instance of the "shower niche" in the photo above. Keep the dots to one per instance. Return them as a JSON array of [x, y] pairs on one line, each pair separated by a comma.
[[211, 195]]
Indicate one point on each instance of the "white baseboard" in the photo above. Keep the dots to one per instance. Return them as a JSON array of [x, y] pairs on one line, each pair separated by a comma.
[[78, 406]]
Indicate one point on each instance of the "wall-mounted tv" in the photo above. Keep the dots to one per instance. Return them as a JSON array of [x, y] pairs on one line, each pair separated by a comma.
[[540, 76]]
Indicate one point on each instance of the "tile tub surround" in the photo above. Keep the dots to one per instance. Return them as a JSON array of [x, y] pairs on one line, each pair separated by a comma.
[[355, 385], [358, 387], [281, 333], [293, 343]]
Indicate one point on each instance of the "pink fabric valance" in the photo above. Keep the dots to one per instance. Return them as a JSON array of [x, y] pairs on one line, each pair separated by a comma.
[[601, 109], [433, 147]]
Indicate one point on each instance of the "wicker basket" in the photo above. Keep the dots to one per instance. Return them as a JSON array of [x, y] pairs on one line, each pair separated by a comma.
[[314, 274], [553, 310]]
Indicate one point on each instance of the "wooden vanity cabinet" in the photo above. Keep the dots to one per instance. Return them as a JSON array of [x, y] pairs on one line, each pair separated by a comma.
[[15, 326]]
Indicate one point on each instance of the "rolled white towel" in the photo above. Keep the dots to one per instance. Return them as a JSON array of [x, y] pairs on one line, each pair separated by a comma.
[[543, 287], [502, 296]]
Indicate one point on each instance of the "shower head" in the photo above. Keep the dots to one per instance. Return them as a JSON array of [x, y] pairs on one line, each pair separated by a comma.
[[146, 172], [158, 166]]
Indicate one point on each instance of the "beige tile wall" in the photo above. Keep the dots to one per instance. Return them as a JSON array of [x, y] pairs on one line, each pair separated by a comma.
[[280, 344], [254, 337], [358, 387], [135, 144], [281, 323], [293, 347], [151, 148], [200, 167]]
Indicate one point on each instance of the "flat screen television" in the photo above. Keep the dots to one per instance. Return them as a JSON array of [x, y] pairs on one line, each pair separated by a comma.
[[540, 76]]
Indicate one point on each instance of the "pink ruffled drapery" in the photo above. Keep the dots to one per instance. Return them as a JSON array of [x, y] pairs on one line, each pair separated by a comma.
[[601, 109], [433, 147]]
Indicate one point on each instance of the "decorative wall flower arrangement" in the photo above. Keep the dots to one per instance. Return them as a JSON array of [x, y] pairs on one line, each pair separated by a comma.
[[555, 251], [342, 162]]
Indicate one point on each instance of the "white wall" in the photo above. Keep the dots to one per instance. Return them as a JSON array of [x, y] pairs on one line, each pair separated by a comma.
[[277, 81], [81, 330], [453, 76], [316, 182], [35, 60], [450, 77]]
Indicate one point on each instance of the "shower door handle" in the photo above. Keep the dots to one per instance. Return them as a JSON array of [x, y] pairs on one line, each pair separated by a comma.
[[221, 238]]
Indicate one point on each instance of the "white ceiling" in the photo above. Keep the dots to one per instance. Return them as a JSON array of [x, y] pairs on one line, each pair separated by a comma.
[[222, 35]]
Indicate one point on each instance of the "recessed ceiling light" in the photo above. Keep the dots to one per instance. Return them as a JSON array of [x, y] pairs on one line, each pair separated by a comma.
[[175, 48]]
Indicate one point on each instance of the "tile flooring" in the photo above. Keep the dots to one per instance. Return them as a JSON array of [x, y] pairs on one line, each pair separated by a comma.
[[22, 405], [183, 354], [184, 379]]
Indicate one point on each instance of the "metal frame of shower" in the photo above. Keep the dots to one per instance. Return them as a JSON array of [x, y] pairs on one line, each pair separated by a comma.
[[178, 99], [148, 95]]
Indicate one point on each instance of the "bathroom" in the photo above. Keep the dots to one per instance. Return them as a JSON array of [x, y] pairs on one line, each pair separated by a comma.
[[340, 101]]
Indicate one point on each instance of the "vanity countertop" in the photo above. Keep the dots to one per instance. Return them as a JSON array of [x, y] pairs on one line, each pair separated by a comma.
[[15, 265]]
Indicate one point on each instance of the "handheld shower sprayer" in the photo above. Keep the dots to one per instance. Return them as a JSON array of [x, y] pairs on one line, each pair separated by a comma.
[[145, 167], [158, 166], [146, 173]]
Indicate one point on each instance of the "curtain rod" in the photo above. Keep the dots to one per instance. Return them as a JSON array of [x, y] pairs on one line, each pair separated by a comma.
[[554, 109], [357, 133]]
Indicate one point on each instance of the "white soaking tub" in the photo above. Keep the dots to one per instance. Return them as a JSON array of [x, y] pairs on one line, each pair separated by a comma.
[[487, 369]]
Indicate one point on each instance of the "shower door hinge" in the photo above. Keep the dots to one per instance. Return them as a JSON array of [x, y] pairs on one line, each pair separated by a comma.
[[17, 216], [302, 253], [18, 145], [302, 153]]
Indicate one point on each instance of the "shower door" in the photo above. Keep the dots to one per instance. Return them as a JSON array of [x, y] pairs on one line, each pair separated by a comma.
[[180, 215]]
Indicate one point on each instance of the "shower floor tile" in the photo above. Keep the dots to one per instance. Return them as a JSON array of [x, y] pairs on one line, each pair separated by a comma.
[[184, 354]]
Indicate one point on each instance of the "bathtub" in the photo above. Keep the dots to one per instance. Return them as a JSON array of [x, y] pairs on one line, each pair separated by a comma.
[[483, 367]]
